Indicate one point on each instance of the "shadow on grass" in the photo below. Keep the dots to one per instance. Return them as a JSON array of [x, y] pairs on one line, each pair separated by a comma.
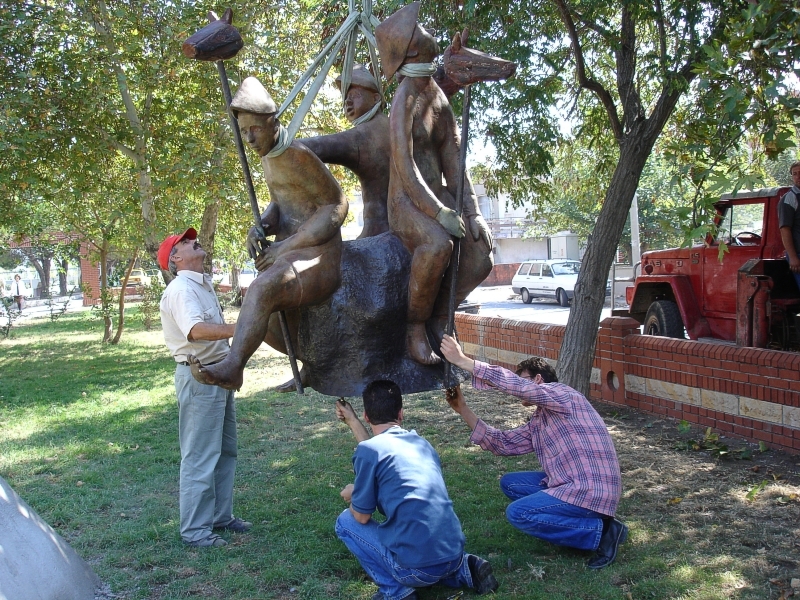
[[103, 469]]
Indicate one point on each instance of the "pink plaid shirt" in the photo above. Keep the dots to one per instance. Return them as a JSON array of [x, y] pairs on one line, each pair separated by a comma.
[[569, 438]]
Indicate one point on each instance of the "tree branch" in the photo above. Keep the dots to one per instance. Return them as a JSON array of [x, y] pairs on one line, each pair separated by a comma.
[[626, 70], [119, 146], [662, 37], [102, 25], [580, 68]]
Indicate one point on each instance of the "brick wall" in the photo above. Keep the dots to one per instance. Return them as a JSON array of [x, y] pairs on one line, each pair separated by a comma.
[[747, 392], [90, 277], [501, 274]]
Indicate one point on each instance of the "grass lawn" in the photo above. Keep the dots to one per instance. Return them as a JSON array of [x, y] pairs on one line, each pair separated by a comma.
[[88, 437]]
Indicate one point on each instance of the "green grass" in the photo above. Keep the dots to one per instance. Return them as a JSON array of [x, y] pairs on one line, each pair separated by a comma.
[[88, 437]]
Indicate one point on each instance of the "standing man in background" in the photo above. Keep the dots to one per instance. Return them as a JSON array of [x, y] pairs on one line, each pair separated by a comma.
[[18, 291], [193, 325], [789, 221]]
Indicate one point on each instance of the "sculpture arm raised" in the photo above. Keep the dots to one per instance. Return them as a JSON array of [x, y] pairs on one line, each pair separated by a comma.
[[337, 148]]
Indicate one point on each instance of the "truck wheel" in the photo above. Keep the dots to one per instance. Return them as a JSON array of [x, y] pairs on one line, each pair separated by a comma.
[[526, 296], [562, 297], [664, 319]]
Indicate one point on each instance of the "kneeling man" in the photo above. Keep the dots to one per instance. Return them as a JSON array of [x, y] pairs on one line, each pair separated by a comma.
[[420, 543]]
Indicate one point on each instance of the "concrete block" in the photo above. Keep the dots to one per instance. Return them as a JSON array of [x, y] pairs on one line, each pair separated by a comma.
[[760, 410], [719, 401]]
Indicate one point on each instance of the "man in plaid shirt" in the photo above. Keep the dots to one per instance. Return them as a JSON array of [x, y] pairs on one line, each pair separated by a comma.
[[572, 501]]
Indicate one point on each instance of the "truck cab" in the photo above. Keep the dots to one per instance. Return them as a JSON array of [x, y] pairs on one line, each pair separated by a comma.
[[749, 296]]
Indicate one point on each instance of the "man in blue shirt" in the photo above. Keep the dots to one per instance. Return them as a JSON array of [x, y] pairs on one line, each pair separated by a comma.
[[399, 474]]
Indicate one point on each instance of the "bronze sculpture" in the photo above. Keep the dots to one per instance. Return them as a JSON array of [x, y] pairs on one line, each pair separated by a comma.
[[302, 266], [364, 149], [424, 149]]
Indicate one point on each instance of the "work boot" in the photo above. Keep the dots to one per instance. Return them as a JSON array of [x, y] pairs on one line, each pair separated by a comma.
[[237, 526], [483, 580], [212, 541], [614, 533]]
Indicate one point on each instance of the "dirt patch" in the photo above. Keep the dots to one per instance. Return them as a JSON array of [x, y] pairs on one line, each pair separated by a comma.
[[725, 497]]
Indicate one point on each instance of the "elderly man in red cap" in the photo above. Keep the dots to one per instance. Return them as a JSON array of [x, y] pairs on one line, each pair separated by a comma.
[[424, 144], [302, 267], [191, 318]]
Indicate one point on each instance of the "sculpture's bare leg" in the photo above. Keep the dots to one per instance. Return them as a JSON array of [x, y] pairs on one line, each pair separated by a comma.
[[275, 289]]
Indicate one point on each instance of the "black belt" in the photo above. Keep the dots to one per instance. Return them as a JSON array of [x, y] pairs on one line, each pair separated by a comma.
[[186, 363]]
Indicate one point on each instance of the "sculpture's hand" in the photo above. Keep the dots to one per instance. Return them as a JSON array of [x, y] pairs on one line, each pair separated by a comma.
[[256, 241], [267, 257], [452, 223], [479, 229]]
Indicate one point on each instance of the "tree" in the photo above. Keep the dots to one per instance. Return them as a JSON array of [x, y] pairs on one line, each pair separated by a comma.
[[626, 66]]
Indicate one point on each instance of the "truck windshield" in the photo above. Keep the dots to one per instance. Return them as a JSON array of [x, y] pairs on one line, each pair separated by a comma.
[[741, 218], [566, 268]]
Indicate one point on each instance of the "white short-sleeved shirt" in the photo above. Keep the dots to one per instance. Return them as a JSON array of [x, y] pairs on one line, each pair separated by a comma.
[[188, 300]]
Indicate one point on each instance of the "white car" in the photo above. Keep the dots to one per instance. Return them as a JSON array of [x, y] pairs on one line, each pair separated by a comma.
[[554, 278]]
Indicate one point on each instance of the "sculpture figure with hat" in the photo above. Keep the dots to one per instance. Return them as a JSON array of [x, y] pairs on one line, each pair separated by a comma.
[[425, 147], [364, 149], [306, 211]]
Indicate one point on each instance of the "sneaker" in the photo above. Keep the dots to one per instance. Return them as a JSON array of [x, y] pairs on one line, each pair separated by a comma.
[[483, 580], [212, 541], [614, 533], [237, 526]]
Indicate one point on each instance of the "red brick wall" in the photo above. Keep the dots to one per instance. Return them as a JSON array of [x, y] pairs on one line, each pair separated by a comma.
[[90, 276], [746, 392], [501, 274]]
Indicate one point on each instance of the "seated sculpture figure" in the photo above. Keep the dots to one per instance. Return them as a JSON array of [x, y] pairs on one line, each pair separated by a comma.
[[306, 211], [424, 143], [364, 149]]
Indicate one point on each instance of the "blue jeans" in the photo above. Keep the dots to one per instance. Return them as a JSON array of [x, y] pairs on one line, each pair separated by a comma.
[[395, 581], [541, 515]]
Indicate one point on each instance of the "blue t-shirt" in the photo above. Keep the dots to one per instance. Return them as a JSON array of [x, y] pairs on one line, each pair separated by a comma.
[[399, 474]]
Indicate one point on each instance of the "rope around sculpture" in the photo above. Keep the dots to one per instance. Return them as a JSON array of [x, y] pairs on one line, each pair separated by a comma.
[[347, 36]]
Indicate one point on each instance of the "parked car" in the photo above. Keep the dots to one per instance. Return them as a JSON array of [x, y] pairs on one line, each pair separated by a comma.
[[553, 278], [138, 277]]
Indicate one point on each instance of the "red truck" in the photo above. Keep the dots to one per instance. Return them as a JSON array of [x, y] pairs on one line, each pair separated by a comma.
[[749, 297]]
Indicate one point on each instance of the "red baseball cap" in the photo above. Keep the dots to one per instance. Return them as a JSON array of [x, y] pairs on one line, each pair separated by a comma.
[[168, 244]]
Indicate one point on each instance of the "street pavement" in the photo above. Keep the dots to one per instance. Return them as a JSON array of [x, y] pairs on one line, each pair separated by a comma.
[[497, 301], [501, 302]]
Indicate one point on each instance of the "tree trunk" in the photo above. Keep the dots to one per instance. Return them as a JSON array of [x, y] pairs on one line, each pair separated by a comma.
[[105, 304], [577, 350], [208, 230], [62, 277], [121, 320], [146, 194], [41, 261]]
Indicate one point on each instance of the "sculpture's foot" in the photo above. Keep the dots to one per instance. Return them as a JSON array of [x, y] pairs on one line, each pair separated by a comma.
[[437, 327], [418, 346], [290, 386], [223, 374]]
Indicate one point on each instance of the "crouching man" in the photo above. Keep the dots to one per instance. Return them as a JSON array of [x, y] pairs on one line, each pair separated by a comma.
[[397, 472], [573, 500]]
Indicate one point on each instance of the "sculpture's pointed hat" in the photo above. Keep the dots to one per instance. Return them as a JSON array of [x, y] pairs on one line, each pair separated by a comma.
[[393, 37], [252, 97], [361, 77]]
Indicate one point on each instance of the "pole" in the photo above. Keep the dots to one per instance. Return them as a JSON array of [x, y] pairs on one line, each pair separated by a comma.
[[462, 174], [251, 192]]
